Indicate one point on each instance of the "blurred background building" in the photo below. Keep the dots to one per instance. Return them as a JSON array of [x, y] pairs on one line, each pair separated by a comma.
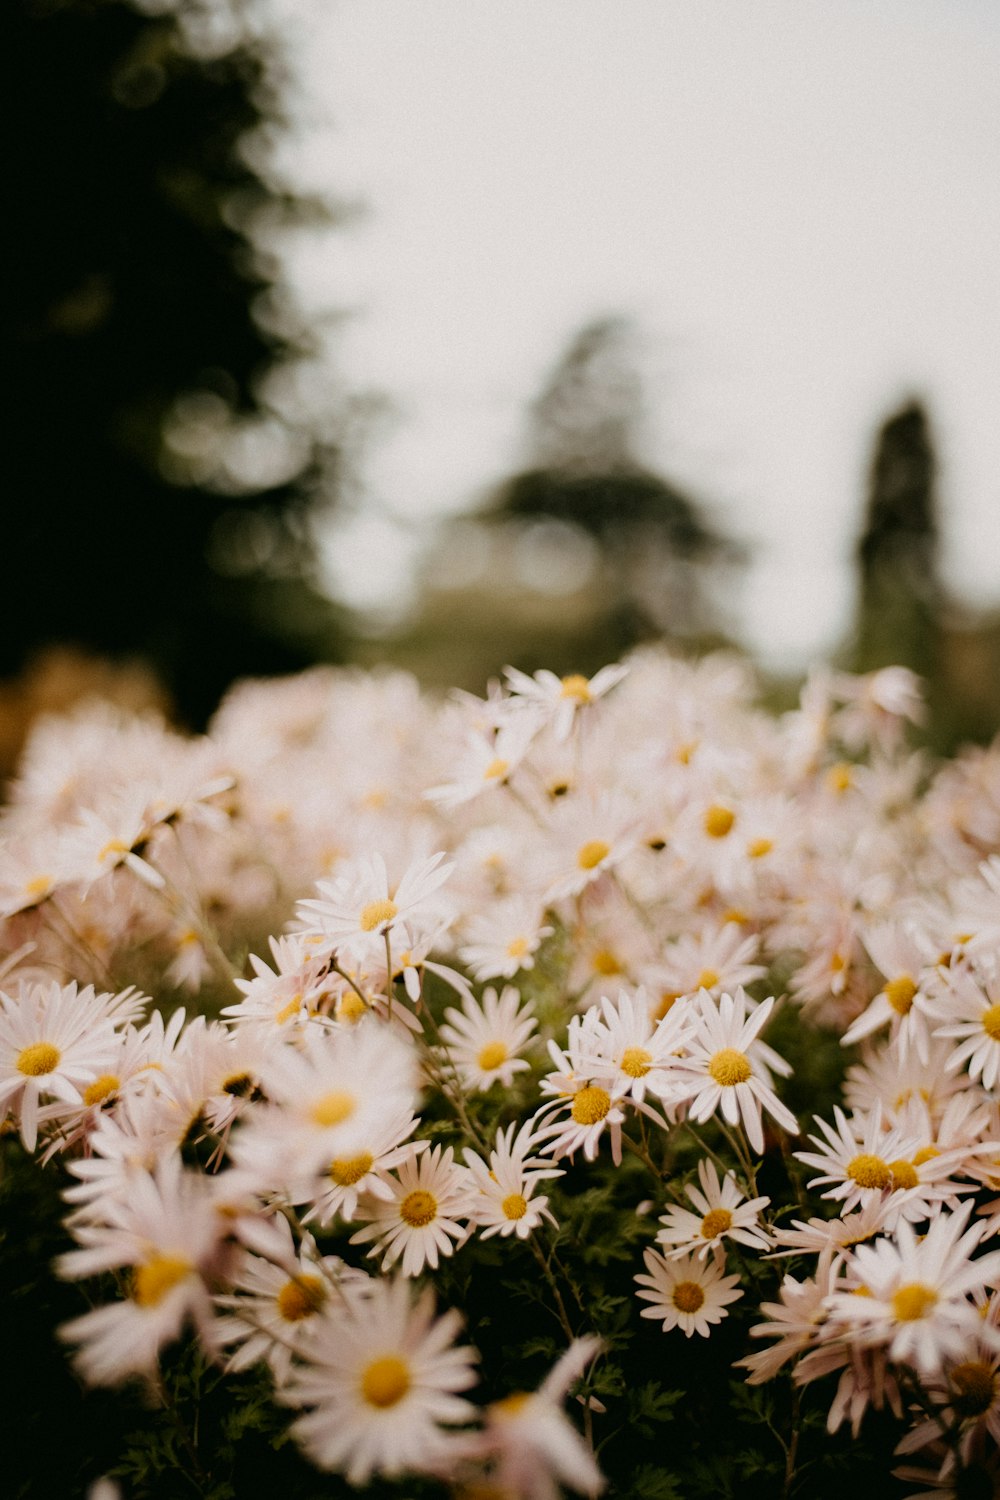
[[453, 337]]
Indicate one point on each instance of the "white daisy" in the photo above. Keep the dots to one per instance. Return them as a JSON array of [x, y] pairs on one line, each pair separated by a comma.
[[558, 700], [688, 1292], [723, 1213], [504, 1202], [484, 1038], [423, 1218], [728, 1067], [354, 912], [380, 1383]]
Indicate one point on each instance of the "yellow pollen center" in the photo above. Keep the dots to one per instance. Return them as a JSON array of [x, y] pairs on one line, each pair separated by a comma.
[[899, 993], [418, 1208], [716, 1221], [288, 1011], [719, 820], [757, 848], [496, 769], [350, 1008], [39, 1058], [991, 1023], [375, 913], [590, 1105], [113, 846], [491, 1056], [591, 853], [736, 915], [707, 978], [840, 777], [926, 1153], [102, 1088], [385, 1381], [576, 686], [730, 1067], [509, 1406], [636, 1062], [152, 1282], [904, 1174], [333, 1108], [974, 1385], [913, 1301], [300, 1298], [347, 1170], [515, 1206], [668, 999], [869, 1171], [39, 886], [687, 1296], [517, 947], [605, 961]]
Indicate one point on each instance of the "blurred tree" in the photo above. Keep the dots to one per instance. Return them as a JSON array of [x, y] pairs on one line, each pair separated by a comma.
[[585, 473], [158, 489], [900, 600]]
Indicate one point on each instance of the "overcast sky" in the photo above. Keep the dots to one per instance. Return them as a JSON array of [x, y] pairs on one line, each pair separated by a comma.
[[798, 202]]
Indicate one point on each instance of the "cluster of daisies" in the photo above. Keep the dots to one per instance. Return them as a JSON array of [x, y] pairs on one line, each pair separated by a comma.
[[581, 899]]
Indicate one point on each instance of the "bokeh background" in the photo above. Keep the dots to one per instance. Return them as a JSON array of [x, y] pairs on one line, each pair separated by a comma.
[[455, 335]]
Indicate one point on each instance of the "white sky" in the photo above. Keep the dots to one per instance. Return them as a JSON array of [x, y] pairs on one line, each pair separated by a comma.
[[798, 201]]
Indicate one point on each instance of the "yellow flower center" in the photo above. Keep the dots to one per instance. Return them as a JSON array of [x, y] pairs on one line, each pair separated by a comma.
[[707, 979], [590, 1105], [636, 1062], [913, 1301], [39, 886], [991, 1023], [926, 1153], [605, 961], [39, 1058], [102, 1088], [903, 1174], [491, 1056], [869, 1171], [385, 1381], [730, 1067], [517, 947], [899, 993], [496, 769], [757, 848], [687, 1296], [576, 686], [333, 1108], [509, 1406], [840, 777], [347, 1170], [515, 1206], [719, 820], [716, 1221], [113, 846], [152, 1282], [300, 1298], [350, 1008], [418, 1208], [974, 1385], [375, 913], [591, 853], [288, 1011]]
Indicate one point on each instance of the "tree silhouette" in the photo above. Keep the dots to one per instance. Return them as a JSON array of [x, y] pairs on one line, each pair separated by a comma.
[[584, 471], [900, 591], [142, 322]]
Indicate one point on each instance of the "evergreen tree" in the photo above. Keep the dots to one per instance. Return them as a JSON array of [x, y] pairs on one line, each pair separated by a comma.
[[584, 470], [900, 591], [142, 322]]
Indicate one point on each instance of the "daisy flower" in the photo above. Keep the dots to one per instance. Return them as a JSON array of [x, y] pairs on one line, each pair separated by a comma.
[[505, 1203], [687, 1292], [727, 1069], [586, 839], [917, 1301], [629, 1053], [504, 940], [380, 1385], [421, 1220], [901, 1002], [484, 1038], [55, 1040], [530, 1445], [976, 1027], [384, 1147], [723, 1213], [558, 700], [861, 1158], [797, 1321], [354, 912], [274, 1308]]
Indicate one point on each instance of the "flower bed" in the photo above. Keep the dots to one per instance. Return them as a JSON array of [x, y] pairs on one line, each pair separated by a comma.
[[476, 1168]]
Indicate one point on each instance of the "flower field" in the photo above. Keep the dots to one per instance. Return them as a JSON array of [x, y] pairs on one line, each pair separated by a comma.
[[589, 1088]]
